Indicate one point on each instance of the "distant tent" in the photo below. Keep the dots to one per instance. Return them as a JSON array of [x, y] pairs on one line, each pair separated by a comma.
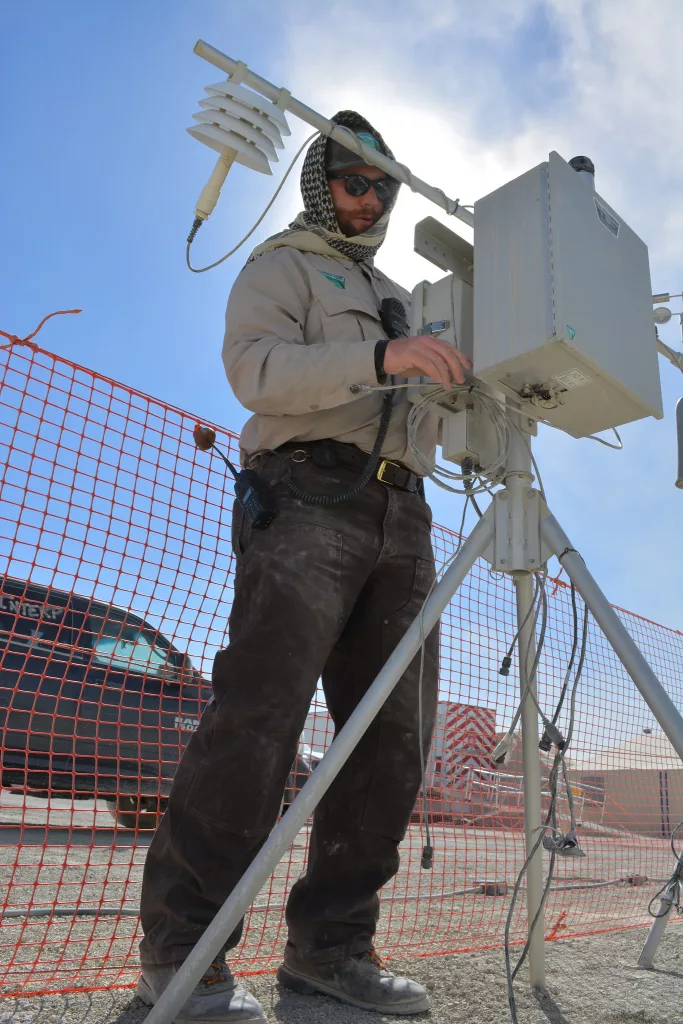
[[637, 786]]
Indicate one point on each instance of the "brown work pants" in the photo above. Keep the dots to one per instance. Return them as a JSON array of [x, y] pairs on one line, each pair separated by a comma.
[[323, 593]]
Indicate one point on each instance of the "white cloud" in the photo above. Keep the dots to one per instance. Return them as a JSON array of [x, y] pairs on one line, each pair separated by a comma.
[[470, 95]]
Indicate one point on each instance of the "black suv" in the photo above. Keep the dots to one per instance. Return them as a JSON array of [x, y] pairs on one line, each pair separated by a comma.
[[94, 701]]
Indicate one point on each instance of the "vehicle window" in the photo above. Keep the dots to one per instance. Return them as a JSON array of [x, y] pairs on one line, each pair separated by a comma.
[[127, 646]]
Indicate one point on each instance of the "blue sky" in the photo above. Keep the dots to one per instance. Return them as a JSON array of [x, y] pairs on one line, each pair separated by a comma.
[[100, 181]]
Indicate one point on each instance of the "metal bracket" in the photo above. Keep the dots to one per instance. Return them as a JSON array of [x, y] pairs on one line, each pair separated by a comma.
[[514, 549], [444, 248]]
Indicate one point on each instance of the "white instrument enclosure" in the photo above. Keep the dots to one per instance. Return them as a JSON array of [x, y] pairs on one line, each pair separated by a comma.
[[449, 298], [563, 303], [465, 431]]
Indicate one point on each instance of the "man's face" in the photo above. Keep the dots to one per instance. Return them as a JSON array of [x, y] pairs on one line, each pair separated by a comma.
[[355, 214]]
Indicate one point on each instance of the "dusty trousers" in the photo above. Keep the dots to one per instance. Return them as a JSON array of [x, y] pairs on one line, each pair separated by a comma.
[[323, 593]]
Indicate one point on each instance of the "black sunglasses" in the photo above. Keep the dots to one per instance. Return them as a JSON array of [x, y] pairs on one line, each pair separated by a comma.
[[358, 185]]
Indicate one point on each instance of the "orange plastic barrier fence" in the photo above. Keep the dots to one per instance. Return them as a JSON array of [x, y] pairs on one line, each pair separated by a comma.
[[115, 591]]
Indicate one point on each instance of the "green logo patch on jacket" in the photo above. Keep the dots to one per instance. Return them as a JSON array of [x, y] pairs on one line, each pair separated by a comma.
[[336, 279]]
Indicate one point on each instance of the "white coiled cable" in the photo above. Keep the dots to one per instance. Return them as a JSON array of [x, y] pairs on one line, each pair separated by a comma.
[[441, 475]]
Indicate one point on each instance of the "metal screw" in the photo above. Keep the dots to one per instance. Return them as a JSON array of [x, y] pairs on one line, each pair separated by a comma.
[[502, 561], [530, 423]]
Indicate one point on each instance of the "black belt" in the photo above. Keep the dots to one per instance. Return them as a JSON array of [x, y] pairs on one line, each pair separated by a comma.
[[328, 453]]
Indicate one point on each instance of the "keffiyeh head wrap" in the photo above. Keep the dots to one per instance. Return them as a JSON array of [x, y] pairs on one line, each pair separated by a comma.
[[318, 218]]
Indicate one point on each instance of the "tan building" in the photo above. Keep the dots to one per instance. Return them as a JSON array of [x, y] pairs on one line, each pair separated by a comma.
[[637, 786]]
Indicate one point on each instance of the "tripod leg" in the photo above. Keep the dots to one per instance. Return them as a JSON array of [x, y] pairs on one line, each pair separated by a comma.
[[281, 838], [656, 933], [654, 694], [532, 775]]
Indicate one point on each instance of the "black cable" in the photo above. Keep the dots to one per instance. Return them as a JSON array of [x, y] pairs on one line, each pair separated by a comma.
[[507, 660], [226, 460], [575, 644], [309, 498], [197, 223], [673, 884], [550, 822]]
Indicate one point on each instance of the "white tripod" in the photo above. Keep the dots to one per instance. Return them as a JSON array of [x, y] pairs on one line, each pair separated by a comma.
[[517, 534]]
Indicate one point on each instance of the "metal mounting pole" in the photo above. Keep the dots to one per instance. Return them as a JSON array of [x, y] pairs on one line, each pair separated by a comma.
[[524, 588], [236, 905], [518, 485]]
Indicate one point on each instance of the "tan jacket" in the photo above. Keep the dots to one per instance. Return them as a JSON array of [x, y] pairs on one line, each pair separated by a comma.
[[296, 341]]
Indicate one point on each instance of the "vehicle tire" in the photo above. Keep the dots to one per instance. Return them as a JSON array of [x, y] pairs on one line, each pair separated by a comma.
[[140, 813]]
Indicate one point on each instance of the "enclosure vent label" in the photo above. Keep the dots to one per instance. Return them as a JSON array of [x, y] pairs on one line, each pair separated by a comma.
[[571, 379], [606, 218]]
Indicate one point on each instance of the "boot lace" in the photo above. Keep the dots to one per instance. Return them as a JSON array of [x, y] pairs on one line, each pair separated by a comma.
[[220, 972], [373, 957]]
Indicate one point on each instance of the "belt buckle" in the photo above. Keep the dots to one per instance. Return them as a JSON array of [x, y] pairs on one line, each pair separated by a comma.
[[382, 467]]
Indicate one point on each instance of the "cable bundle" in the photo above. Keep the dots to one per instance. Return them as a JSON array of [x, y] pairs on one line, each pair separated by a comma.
[[441, 475]]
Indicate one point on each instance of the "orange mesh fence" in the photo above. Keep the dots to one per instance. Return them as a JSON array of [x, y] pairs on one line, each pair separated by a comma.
[[115, 591]]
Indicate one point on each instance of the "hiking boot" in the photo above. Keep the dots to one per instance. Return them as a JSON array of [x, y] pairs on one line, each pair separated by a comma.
[[361, 980], [217, 999]]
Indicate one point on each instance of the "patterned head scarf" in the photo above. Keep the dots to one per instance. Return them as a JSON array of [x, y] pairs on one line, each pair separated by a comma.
[[319, 216]]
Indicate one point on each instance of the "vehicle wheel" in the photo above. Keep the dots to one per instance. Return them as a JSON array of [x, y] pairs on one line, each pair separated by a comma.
[[139, 813]]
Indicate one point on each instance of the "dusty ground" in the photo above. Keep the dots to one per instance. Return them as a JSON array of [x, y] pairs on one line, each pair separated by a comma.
[[590, 981], [70, 857]]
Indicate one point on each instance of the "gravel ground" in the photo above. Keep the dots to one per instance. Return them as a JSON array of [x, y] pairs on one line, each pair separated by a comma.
[[45, 861], [589, 980]]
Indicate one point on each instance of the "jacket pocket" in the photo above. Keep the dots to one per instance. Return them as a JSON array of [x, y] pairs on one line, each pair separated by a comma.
[[348, 317]]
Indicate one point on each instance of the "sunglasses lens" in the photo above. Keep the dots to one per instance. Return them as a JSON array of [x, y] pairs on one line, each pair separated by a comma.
[[357, 185], [384, 189]]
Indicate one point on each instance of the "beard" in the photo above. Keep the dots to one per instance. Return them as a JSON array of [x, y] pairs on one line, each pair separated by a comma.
[[345, 221]]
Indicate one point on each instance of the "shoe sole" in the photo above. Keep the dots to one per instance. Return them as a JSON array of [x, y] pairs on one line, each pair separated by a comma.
[[309, 987], [144, 994]]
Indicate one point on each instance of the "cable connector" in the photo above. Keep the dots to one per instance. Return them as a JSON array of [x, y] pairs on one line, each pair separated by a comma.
[[467, 468], [427, 858], [505, 666], [551, 734], [196, 224], [502, 751], [563, 845]]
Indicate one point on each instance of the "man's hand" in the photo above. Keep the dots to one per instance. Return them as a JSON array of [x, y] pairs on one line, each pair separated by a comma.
[[426, 356]]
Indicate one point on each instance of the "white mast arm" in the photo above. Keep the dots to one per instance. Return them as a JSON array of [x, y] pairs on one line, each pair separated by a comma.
[[671, 354], [343, 135]]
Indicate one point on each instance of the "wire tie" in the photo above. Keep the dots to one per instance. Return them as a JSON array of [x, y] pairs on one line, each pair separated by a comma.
[[16, 340]]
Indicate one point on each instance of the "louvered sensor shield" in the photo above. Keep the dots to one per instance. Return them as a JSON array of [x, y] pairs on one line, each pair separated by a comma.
[[241, 125]]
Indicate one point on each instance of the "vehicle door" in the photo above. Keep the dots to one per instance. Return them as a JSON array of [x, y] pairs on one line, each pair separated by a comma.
[[40, 686], [145, 704]]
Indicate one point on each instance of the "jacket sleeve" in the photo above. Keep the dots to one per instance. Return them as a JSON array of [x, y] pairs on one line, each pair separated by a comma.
[[270, 368]]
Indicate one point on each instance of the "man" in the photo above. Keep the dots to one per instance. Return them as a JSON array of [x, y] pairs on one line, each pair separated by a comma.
[[326, 591]]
